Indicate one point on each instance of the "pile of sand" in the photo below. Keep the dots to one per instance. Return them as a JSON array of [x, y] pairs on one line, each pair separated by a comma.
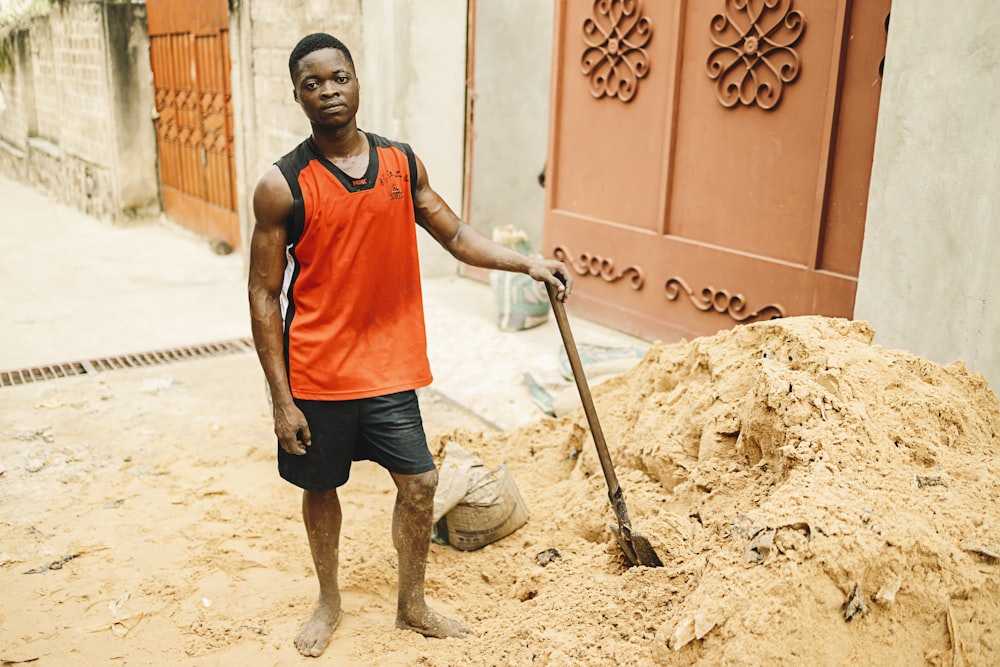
[[815, 500], [813, 497]]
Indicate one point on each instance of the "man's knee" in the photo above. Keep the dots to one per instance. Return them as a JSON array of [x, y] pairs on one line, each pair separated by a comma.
[[418, 489], [324, 496]]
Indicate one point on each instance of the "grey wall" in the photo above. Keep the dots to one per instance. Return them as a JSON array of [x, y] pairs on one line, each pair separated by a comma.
[[136, 181], [411, 65], [412, 72], [268, 122], [79, 99], [512, 71], [930, 268]]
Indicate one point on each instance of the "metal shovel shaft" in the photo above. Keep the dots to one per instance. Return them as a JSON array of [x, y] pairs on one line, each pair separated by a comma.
[[636, 548], [614, 489]]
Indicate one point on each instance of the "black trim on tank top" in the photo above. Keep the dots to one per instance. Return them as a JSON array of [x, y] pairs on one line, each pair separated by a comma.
[[411, 158], [292, 164], [351, 184], [290, 170]]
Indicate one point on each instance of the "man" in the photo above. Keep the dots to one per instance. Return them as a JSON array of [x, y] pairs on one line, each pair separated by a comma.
[[337, 319]]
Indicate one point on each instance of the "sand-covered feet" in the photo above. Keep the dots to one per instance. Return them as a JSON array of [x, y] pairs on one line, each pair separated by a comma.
[[432, 624], [316, 633]]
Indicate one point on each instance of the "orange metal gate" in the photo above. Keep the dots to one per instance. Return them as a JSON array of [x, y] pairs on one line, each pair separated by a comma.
[[189, 53], [710, 159]]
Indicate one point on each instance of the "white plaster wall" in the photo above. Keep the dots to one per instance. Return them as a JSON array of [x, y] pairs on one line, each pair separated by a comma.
[[512, 71], [412, 73], [930, 268], [268, 121], [410, 59]]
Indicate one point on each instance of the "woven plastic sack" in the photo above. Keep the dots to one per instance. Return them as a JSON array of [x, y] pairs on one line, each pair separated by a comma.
[[521, 302]]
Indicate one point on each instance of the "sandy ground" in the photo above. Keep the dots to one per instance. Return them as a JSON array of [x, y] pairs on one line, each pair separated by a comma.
[[815, 499], [76, 288], [186, 548]]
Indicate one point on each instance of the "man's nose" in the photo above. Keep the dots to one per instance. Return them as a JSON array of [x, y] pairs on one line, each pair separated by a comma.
[[330, 89]]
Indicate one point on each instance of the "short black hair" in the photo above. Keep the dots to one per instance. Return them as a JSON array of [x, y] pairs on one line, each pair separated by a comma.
[[315, 42]]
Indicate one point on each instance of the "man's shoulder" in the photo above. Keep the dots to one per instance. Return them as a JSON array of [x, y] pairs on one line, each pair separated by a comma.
[[381, 142], [297, 157], [291, 164]]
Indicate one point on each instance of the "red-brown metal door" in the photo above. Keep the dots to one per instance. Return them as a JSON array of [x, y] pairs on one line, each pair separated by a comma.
[[710, 159], [189, 53]]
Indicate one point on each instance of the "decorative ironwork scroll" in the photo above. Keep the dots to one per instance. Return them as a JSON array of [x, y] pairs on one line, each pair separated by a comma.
[[721, 301], [615, 58], [602, 267], [754, 58]]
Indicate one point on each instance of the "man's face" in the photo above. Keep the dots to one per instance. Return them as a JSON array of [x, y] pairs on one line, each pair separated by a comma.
[[326, 88]]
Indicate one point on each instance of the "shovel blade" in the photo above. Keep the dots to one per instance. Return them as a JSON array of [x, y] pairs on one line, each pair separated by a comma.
[[645, 555], [636, 548]]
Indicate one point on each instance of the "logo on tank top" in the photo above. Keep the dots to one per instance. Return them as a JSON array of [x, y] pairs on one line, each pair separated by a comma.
[[395, 180]]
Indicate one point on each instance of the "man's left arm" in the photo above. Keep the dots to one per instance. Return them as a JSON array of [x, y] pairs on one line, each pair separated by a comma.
[[468, 245]]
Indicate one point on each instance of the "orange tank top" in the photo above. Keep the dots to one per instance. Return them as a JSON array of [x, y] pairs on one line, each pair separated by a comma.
[[351, 299]]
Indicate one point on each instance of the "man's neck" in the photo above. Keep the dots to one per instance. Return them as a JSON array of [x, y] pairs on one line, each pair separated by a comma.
[[341, 142]]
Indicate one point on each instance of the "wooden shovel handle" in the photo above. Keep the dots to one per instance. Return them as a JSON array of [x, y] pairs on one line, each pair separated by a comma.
[[614, 490]]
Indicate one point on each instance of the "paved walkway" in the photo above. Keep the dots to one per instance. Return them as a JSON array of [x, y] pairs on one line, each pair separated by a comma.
[[74, 287]]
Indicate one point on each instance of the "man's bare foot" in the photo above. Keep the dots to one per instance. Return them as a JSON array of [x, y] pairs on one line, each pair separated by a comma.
[[315, 634], [432, 624]]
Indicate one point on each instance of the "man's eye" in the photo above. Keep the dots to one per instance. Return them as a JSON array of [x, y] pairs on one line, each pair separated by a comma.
[[341, 79]]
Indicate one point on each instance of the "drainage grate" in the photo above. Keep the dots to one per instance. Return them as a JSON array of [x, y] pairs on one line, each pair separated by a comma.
[[125, 361]]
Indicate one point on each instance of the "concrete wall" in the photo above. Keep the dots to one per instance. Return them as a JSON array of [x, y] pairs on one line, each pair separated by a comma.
[[133, 100], [411, 66], [413, 90], [78, 120], [513, 58], [930, 268], [18, 120], [268, 121], [93, 56]]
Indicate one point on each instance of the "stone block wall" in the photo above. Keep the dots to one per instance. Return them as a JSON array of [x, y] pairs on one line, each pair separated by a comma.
[[269, 122], [41, 67], [70, 151], [62, 130], [15, 125], [79, 104], [410, 59]]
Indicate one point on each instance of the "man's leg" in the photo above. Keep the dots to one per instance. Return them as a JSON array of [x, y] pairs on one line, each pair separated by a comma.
[[411, 533], [321, 513]]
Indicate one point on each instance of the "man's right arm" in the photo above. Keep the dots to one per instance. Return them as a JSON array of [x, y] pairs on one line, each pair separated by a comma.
[[272, 207]]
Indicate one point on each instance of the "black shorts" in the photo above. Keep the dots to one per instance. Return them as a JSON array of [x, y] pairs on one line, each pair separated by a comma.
[[385, 429]]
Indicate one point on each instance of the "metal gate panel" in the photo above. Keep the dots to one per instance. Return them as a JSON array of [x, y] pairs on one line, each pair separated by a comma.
[[854, 143], [606, 163], [199, 17], [189, 51], [749, 175], [709, 159]]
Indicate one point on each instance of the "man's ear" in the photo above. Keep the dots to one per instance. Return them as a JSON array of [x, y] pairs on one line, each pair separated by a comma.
[[295, 94]]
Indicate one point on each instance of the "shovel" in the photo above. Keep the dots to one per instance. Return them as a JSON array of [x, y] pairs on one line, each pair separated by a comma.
[[637, 549]]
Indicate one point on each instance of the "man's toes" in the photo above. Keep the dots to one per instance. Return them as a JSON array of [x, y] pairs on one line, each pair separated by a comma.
[[308, 646]]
